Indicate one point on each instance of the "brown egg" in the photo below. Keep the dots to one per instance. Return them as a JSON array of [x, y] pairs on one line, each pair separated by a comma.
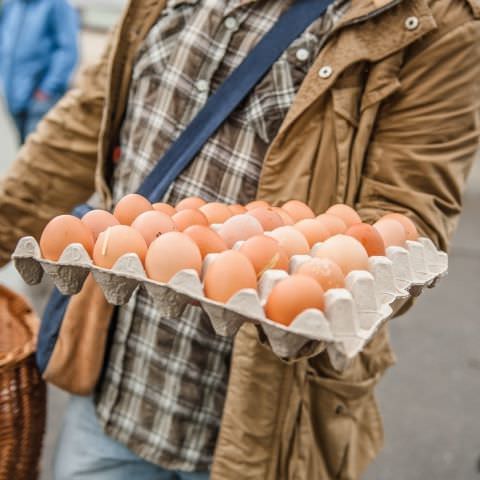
[[216, 212], [346, 213], [229, 273], [269, 219], [130, 207], [408, 225], [332, 223], [189, 203], [286, 218], [171, 253], [115, 242], [98, 221], [153, 224], [392, 232], [257, 204], [239, 227], [313, 230], [164, 208], [237, 209], [265, 253], [298, 210], [186, 218], [206, 239], [345, 251], [291, 240], [292, 296], [325, 271], [369, 238], [62, 231]]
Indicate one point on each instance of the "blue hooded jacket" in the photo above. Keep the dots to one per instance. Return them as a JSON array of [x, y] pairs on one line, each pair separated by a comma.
[[38, 49]]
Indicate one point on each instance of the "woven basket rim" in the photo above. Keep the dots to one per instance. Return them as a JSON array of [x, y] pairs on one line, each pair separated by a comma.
[[32, 323]]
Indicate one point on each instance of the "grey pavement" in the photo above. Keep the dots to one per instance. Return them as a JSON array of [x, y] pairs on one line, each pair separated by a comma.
[[430, 400]]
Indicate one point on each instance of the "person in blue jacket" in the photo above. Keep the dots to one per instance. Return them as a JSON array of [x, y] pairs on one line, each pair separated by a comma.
[[38, 53]]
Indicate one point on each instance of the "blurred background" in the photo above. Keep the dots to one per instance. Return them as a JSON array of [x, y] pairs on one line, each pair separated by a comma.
[[430, 400]]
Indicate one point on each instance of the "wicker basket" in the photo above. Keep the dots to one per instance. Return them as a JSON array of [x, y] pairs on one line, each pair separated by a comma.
[[22, 390]]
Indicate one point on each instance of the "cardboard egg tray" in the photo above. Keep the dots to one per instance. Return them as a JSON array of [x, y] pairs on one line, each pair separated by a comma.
[[351, 316]]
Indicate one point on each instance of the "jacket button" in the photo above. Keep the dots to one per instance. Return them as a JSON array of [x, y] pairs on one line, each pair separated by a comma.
[[340, 409], [325, 72], [411, 23]]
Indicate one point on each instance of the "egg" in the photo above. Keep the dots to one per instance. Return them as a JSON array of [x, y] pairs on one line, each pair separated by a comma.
[[62, 231], [237, 209], [269, 219], [115, 242], [346, 213], [286, 218], [369, 238], [216, 212], [298, 210], [239, 227], [332, 223], [227, 274], [292, 296], [188, 217], [130, 207], [347, 252], [98, 221], [313, 230], [257, 204], [206, 239], [408, 225], [171, 253], [392, 232], [325, 271], [153, 224], [189, 203], [264, 253], [164, 208], [291, 240]]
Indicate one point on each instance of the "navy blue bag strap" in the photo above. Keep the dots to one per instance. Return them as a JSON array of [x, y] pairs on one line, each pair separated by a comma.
[[218, 107], [229, 95]]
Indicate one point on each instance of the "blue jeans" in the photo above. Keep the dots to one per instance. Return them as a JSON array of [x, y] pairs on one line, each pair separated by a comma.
[[27, 120], [85, 453]]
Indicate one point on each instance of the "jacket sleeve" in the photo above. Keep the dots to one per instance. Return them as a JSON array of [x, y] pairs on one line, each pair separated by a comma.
[[55, 169], [64, 58], [426, 136]]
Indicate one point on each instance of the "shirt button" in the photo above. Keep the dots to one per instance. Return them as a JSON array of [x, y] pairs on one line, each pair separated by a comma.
[[231, 23], [202, 85], [302, 54], [325, 72], [411, 23]]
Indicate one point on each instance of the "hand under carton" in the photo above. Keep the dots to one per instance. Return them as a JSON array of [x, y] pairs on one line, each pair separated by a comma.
[[351, 317]]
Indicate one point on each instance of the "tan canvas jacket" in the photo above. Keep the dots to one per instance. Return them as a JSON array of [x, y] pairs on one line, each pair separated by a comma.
[[389, 111]]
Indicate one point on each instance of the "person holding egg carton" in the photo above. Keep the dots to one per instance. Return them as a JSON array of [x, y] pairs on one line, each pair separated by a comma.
[[373, 105]]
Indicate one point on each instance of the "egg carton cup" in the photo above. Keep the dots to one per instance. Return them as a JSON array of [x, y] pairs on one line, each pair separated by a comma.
[[352, 314]]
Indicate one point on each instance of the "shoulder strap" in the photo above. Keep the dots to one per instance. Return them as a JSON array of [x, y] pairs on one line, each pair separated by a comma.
[[229, 95]]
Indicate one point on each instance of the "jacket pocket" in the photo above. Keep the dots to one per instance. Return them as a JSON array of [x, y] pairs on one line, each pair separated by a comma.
[[344, 426]]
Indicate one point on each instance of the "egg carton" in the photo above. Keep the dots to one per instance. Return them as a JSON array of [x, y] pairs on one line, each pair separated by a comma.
[[351, 317]]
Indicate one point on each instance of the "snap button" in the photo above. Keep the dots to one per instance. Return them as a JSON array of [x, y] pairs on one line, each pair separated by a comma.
[[202, 85], [302, 54], [231, 23], [411, 23], [325, 72]]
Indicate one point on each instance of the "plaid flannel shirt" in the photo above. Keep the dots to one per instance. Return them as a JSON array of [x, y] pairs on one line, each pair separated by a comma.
[[166, 378]]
